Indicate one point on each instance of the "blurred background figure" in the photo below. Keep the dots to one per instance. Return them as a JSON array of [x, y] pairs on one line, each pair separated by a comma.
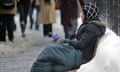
[[34, 5], [47, 16], [23, 7], [7, 24], [57, 4], [69, 14]]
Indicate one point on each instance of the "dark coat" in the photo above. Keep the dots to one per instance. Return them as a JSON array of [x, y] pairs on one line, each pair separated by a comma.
[[23, 4], [87, 38], [47, 12], [69, 10], [9, 11]]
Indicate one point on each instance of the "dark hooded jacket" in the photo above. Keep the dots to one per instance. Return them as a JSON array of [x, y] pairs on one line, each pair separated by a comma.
[[87, 37]]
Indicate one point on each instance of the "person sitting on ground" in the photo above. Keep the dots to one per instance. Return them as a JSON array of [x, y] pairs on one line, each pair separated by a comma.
[[70, 54]]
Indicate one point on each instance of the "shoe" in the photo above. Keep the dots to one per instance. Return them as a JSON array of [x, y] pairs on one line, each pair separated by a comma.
[[11, 39], [23, 35], [37, 27], [30, 27], [50, 34], [2, 40]]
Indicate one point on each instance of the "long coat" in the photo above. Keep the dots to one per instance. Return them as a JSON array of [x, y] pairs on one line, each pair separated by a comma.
[[47, 12], [69, 10], [9, 11]]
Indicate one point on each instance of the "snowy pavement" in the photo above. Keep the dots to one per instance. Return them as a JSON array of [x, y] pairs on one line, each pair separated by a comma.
[[20, 44], [20, 55]]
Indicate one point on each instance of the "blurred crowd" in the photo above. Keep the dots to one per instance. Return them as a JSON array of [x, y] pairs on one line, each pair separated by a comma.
[[45, 15]]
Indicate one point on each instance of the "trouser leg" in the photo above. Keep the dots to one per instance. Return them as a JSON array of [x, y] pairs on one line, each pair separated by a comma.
[[37, 15], [10, 27], [7, 25], [10, 35], [30, 16], [70, 29], [47, 30], [23, 19], [2, 28], [3, 35], [22, 25]]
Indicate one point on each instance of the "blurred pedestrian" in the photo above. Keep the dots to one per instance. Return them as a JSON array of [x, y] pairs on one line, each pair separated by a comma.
[[69, 14], [23, 7], [7, 24], [47, 16], [34, 5]]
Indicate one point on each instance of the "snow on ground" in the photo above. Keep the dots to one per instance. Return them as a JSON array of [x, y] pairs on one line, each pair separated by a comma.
[[19, 43], [107, 55]]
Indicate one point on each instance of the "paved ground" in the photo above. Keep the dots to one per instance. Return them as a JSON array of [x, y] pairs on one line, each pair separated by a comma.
[[22, 61], [20, 55]]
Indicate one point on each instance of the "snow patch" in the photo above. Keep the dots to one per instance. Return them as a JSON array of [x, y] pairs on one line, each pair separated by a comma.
[[107, 55]]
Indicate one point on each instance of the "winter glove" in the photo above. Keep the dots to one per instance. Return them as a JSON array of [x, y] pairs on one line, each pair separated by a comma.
[[65, 41]]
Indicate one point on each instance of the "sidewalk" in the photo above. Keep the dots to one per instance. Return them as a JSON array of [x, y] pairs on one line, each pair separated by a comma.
[[20, 44]]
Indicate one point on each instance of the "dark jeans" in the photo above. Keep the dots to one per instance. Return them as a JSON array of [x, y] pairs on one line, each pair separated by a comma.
[[70, 29], [23, 11], [31, 10], [6, 24]]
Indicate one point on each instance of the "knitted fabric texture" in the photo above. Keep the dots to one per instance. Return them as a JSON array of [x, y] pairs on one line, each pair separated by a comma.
[[91, 11]]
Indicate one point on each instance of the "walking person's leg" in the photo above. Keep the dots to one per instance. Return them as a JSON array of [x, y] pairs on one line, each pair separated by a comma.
[[37, 15], [49, 30], [31, 16], [22, 23], [3, 27], [70, 29], [45, 29], [10, 27], [0, 28], [23, 19], [3, 34]]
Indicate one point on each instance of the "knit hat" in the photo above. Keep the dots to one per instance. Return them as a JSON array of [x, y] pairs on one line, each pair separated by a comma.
[[91, 11]]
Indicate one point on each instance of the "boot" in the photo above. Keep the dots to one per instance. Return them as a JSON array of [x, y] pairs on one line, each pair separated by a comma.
[[10, 35], [3, 35], [23, 29]]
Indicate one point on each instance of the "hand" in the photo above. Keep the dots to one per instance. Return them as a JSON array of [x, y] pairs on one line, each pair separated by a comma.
[[65, 41]]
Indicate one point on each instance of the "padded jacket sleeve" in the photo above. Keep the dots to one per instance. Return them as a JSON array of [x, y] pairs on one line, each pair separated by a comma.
[[90, 33]]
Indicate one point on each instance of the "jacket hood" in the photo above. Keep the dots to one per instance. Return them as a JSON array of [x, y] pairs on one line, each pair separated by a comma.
[[98, 23]]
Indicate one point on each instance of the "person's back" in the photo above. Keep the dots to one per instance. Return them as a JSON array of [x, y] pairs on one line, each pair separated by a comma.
[[69, 14]]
